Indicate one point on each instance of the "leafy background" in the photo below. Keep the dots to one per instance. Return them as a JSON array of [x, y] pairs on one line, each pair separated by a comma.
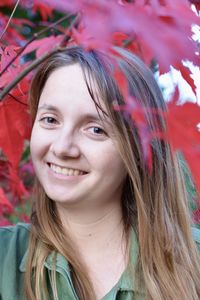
[[159, 31]]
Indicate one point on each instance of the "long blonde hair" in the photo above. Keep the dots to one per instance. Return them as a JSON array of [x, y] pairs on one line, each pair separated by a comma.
[[155, 205]]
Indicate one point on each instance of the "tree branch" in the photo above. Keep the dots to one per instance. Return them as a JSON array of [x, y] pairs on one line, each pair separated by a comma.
[[35, 36], [38, 61], [15, 98], [34, 64], [9, 20]]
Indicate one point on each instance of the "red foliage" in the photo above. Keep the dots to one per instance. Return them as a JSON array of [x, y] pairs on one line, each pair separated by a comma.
[[45, 10], [137, 114], [196, 216], [152, 29], [12, 137], [5, 205], [183, 133], [44, 45], [154, 26], [17, 186], [13, 35], [196, 3]]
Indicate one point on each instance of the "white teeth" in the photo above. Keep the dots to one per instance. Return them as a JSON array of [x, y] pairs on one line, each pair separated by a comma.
[[70, 172], [66, 171], [76, 172]]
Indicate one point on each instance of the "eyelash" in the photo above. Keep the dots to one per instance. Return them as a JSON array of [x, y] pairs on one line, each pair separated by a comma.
[[99, 128], [45, 120]]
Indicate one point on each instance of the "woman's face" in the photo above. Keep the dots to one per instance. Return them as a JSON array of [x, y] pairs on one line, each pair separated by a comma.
[[73, 151]]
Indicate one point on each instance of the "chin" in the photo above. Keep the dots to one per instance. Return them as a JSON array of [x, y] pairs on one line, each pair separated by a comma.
[[60, 199]]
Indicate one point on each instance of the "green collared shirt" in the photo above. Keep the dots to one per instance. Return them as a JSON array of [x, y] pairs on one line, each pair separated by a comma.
[[13, 256]]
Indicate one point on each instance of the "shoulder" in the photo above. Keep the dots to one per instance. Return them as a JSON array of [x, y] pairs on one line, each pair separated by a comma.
[[13, 241], [12, 234], [13, 248], [196, 236]]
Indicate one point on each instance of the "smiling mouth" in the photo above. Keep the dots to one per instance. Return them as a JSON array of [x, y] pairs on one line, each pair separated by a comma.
[[66, 171]]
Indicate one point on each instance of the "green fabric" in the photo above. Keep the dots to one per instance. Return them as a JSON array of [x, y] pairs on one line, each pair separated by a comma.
[[196, 236], [13, 255]]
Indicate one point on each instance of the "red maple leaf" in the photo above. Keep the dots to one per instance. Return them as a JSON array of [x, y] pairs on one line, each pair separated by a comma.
[[134, 110], [13, 31], [5, 205], [123, 40], [7, 55], [45, 10], [15, 122], [186, 74], [6, 2], [196, 3], [196, 216], [17, 187], [43, 45], [4, 222], [156, 25], [121, 82], [183, 133]]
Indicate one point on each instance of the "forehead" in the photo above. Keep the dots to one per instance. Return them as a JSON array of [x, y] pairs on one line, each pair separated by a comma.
[[68, 78], [66, 89]]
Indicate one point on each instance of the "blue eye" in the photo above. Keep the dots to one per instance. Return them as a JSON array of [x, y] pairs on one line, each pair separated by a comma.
[[49, 120], [98, 130]]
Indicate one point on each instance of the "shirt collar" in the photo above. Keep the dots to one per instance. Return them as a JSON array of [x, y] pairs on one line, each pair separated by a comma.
[[22, 266], [127, 281], [61, 262]]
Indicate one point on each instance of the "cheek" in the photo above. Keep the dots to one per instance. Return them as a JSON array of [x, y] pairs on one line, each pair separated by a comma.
[[117, 168], [114, 165], [114, 173], [37, 142], [106, 158], [33, 143]]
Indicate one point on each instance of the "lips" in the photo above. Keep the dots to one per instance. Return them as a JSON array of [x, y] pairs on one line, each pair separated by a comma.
[[65, 171]]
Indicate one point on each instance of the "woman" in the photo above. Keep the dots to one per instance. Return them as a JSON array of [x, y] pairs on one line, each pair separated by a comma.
[[103, 225]]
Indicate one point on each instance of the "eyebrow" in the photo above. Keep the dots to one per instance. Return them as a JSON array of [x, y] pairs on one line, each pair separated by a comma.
[[47, 107], [96, 117], [88, 116]]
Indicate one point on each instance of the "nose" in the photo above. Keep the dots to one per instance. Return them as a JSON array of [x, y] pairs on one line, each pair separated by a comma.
[[65, 144]]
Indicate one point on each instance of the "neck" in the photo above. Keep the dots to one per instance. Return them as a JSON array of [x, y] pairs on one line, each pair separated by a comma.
[[94, 229], [101, 243]]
